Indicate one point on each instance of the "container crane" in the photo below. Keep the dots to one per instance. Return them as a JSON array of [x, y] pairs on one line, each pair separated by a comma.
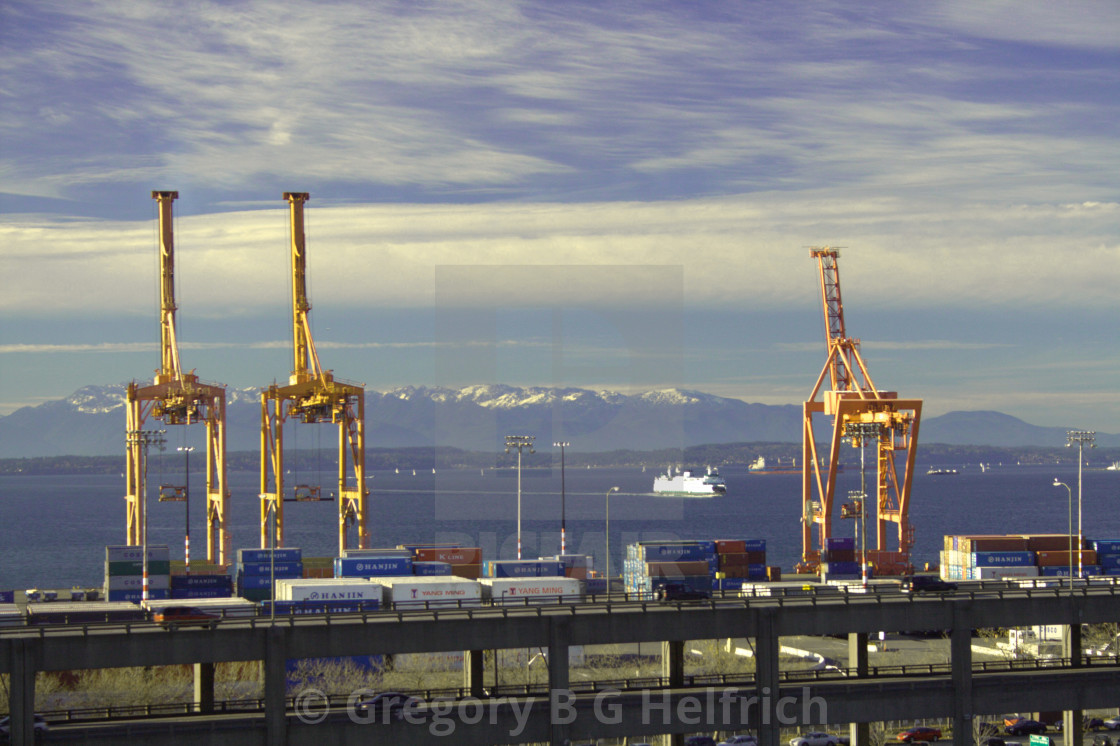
[[861, 413], [177, 398], [312, 395]]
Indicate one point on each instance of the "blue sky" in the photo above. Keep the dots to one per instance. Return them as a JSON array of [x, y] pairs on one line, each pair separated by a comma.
[[605, 195]]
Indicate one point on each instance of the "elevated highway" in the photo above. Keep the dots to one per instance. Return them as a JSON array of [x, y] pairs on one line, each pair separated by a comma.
[[771, 702]]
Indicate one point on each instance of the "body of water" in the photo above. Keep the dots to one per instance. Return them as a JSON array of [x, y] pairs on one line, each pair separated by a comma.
[[54, 529]]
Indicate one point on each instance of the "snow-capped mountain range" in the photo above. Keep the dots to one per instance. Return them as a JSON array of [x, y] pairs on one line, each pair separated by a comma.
[[91, 421]]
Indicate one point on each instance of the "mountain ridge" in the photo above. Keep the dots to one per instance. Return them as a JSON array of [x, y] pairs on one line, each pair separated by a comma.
[[90, 421]]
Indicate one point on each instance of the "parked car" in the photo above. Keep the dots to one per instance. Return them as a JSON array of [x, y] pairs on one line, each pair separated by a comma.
[[1025, 728], [386, 705], [926, 584], [175, 616], [919, 733], [744, 740], [681, 592], [1112, 723], [815, 738], [39, 726]]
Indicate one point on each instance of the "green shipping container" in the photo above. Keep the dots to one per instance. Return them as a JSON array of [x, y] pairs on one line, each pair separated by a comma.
[[155, 567]]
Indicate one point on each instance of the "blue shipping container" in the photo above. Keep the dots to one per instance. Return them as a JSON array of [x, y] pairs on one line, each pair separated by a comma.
[[1001, 559], [1063, 572], [1109, 560], [7, 597], [675, 552], [264, 555], [431, 568], [840, 568], [178, 593], [136, 596], [522, 568], [286, 569], [837, 542], [596, 586], [754, 545], [253, 582], [201, 581], [728, 584], [1106, 545], [364, 567]]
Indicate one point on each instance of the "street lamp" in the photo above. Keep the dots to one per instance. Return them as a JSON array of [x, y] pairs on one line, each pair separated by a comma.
[[612, 489], [519, 442], [859, 432], [1080, 437], [187, 500], [1070, 511], [562, 445]]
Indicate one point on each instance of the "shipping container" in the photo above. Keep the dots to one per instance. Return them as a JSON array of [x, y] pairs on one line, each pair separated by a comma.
[[1108, 560], [420, 592], [136, 582], [1053, 559], [215, 580], [329, 589], [595, 586], [1106, 545], [675, 569], [376, 553], [451, 555], [839, 543], [520, 591], [353, 567], [225, 607], [471, 572], [431, 568], [7, 597], [286, 554], [1001, 559], [254, 582], [11, 616], [299, 608], [1055, 571], [970, 544], [730, 546], [675, 552], [522, 568], [1050, 542], [1001, 571], [286, 569], [136, 567], [83, 612], [135, 553], [135, 596], [181, 593]]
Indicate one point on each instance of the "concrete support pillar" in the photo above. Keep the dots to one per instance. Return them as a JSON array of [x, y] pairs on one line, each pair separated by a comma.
[[960, 651], [857, 658], [204, 686], [275, 684], [1073, 731], [766, 677], [559, 640], [21, 690], [474, 670], [672, 662]]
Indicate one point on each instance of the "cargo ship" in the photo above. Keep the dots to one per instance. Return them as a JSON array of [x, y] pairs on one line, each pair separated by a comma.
[[760, 466], [686, 484]]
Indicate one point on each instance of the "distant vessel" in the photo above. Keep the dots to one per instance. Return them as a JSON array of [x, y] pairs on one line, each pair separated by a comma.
[[760, 466], [1114, 466], [936, 471], [685, 484]]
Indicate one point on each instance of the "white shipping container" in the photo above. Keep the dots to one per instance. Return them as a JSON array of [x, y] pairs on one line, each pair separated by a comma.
[[136, 582], [997, 573], [405, 591], [520, 591], [10, 615], [328, 589], [230, 607], [135, 553]]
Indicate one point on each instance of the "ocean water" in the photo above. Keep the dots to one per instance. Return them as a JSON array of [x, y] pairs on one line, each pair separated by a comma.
[[54, 529]]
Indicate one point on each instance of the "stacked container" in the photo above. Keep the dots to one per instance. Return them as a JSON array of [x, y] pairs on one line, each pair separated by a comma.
[[430, 592], [988, 557], [326, 595], [465, 562], [524, 591], [124, 572], [538, 568], [201, 585], [364, 567], [739, 561], [651, 566], [1108, 555], [256, 568]]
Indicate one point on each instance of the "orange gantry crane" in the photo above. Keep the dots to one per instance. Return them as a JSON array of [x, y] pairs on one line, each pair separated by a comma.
[[866, 416], [312, 395], [176, 398]]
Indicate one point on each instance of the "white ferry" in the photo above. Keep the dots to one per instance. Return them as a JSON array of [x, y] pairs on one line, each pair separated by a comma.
[[686, 484]]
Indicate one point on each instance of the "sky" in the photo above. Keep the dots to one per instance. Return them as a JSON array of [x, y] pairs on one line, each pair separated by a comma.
[[616, 196]]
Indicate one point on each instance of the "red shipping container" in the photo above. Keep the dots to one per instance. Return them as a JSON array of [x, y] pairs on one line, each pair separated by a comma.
[[1062, 559], [996, 544], [1050, 542], [676, 569], [450, 555], [741, 560], [470, 572], [731, 546], [576, 572]]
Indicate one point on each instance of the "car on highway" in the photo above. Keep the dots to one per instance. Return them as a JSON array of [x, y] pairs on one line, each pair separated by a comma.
[[39, 727], [926, 584], [176, 616], [919, 733], [743, 740], [388, 705], [1025, 728], [815, 738]]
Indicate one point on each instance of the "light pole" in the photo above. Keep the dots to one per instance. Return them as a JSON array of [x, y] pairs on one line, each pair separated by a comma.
[[562, 445], [1070, 511], [612, 489], [145, 438], [519, 442], [1080, 437], [271, 557], [187, 500], [859, 432]]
